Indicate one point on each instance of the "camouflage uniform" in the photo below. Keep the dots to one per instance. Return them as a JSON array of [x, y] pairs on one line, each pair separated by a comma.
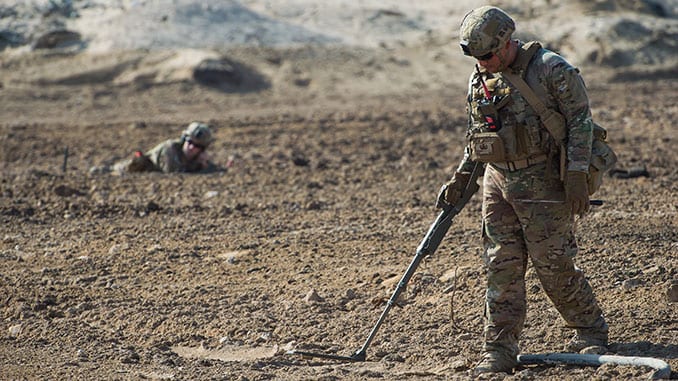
[[514, 228], [168, 156]]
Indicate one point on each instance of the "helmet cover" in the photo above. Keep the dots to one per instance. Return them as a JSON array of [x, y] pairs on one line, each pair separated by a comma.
[[199, 133], [485, 30]]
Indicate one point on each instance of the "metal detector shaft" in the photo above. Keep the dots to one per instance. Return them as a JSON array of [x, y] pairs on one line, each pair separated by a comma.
[[428, 246]]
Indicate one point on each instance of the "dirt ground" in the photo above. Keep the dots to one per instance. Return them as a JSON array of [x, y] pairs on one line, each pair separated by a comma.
[[337, 158]]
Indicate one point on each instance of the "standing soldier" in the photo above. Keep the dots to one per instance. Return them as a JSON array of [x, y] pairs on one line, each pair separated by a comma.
[[530, 197], [186, 154]]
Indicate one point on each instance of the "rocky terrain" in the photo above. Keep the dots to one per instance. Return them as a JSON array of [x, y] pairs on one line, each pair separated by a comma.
[[339, 124]]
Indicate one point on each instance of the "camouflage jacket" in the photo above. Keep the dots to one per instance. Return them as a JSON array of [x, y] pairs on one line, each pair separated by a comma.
[[559, 86], [168, 156]]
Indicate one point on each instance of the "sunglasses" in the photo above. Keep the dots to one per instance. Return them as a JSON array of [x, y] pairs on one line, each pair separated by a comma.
[[467, 52], [196, 145], [484, 57]]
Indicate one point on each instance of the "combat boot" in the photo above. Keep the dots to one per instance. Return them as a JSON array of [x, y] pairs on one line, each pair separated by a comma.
[[591, 340], [498, 359]]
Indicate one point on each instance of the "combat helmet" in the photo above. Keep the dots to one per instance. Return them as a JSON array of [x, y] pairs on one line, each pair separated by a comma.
[[199, 133], [484, 31]]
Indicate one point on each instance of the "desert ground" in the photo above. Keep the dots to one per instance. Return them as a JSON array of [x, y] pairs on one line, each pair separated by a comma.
[[335, 155]]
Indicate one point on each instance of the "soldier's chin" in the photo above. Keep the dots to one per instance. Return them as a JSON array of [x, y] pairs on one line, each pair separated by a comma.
[[489, 68]]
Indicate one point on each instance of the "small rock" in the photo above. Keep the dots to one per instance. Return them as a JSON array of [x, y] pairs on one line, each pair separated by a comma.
[[211, 194], [55, 313], [15, 330], [130, 357], [312, 296], [154, 249], [85, 279], [152, 206], [630, 284], [82, 356], [66, 191], [117, 248], [672, 292], [49, 300], [300, 160], [289, 346], [314, 205], [137, 125], [654, 270], [302, 82]]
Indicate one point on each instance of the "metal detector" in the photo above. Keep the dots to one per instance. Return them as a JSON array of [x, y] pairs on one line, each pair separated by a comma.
[[428, 246]]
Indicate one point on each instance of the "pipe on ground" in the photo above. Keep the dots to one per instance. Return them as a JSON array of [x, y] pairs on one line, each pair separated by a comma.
[[662, 369]]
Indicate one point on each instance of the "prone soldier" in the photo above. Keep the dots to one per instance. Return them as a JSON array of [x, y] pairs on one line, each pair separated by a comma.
[[186, 154]]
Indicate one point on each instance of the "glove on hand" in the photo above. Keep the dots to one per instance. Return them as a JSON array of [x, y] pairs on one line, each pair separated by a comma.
[[577, 192], [451, 191], [140, 163]]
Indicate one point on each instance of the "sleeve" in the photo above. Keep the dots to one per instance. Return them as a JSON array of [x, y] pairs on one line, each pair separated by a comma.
[[569, 93], [466, 165], [165, 157]]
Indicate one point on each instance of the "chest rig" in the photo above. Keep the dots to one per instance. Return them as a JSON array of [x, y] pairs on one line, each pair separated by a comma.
[[504, 129]]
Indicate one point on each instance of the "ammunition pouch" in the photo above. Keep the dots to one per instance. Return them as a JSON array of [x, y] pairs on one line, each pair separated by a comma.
[[487, 147]]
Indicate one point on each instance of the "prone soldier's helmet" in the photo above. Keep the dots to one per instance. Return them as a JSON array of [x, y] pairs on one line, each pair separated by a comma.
[[199, 133], [484, 31]]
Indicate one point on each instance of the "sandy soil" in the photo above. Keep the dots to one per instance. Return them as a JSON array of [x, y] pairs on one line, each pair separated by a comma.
[[338, 155]]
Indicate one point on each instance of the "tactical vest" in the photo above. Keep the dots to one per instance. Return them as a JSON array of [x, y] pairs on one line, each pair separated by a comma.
[[520, 135]]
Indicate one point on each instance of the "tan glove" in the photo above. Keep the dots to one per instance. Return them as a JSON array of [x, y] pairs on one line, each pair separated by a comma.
[[451, 191], [577, 192]]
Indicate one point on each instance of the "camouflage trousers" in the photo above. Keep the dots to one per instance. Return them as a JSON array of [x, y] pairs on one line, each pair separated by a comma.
[[516, 226]]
